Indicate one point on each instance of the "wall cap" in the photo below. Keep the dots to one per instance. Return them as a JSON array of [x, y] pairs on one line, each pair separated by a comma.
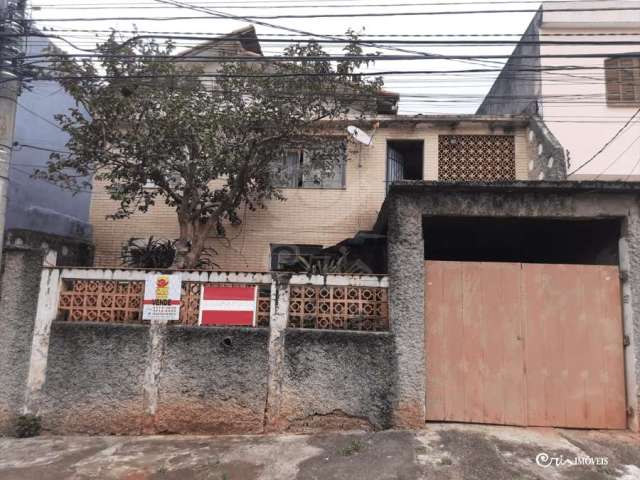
[[225, 277]]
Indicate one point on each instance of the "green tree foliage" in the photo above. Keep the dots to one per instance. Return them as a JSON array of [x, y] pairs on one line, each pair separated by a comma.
[[207, 147]]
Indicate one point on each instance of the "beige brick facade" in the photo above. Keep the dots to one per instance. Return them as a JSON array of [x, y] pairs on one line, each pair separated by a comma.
[[308, 216]]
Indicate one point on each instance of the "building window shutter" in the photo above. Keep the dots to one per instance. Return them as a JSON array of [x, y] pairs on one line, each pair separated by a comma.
[[292, 166], [622, 80], [286, 172], [611, 69], [311, 174]]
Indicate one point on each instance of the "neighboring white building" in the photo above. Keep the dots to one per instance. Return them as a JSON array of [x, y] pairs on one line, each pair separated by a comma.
[[587, 106]]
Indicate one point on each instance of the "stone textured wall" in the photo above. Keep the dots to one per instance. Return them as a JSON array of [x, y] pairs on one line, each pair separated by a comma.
[[213, 380], [548, 158], [405, 250], [94, 378], [337, 380], [630, 272], [18, 301]]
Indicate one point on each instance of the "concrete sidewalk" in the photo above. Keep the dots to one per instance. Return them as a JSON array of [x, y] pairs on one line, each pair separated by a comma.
[[439, 451]]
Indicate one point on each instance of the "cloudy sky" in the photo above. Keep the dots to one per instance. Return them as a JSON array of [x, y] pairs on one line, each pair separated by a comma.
[[85, 22]]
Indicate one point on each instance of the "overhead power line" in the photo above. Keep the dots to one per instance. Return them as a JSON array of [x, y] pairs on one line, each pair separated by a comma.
[[341, 15], [279, 6], [606, 145], [306, 4], [151, 5], [342, 41], [292, 75], [45, 149], [435, 3], [379, 36], [615, 160], [314, 58], [221, 14], [522, 70]]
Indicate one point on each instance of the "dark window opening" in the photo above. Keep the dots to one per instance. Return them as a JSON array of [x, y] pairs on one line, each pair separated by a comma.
[[287, 256], [476, 239], [405, 160]]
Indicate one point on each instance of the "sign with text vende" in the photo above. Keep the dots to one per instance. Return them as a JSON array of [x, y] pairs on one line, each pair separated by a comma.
[[228, 305], [162, 297]]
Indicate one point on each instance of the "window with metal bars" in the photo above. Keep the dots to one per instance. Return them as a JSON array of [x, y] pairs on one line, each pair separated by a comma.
[[297, 169]]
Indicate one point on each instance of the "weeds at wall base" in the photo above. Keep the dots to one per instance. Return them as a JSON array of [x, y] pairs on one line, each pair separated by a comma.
[[28, 426]]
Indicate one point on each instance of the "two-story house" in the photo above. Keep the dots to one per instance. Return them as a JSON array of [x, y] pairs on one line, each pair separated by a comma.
[[577, 66], [321, 212]]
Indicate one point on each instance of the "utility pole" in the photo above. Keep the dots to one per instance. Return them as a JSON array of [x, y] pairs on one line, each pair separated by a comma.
[[12, 17]]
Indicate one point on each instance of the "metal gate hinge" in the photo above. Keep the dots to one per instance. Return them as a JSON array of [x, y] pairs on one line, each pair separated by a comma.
[[626, 341]]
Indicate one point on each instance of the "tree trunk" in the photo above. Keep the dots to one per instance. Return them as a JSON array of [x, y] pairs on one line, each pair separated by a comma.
[[190, 245], [183, 248]]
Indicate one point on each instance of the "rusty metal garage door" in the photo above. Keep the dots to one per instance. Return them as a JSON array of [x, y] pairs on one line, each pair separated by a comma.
[[524, 344]]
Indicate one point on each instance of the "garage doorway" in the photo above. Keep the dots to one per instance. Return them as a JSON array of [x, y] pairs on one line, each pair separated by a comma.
[[524, 344], [523, 323]]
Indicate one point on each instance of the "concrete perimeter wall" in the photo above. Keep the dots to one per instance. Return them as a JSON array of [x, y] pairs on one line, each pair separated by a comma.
[[210, 380], [106, 378], [337, 380], [94, 378], [213, 380], [18, 299]]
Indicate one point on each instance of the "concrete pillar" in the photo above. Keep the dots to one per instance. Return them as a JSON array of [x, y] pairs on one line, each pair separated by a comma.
[[406, 312], [277, 326], [629, 258], [19, 282], [48, 295], [151, 386]]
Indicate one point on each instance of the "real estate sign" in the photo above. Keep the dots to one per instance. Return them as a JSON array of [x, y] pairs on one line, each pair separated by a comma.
[[162, 297]]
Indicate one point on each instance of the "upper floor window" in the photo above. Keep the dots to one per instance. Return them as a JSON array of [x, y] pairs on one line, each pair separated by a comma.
[[299, 169], [291, 257], [404, 160], [622, 79], [484, 158]]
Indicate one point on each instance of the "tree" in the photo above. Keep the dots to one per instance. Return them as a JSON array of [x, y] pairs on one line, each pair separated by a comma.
[[208, 147]]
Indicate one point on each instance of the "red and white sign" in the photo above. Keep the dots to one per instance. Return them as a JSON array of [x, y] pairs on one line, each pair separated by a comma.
[[162, 297], [228, 305]]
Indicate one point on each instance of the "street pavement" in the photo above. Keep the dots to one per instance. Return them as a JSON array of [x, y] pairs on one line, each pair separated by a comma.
[[440, 451]]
